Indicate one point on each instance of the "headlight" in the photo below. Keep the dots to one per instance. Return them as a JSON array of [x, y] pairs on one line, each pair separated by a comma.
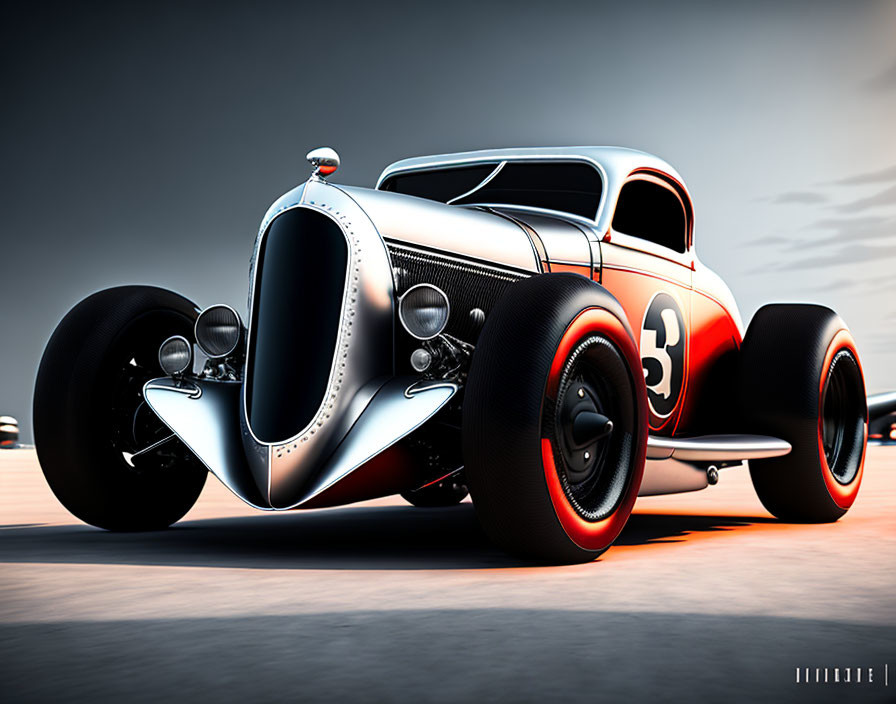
[[219, 331], [423, 311], [175, 355]]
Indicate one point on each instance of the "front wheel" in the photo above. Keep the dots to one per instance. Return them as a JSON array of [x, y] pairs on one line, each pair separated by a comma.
[[555, 420], [105, 454]]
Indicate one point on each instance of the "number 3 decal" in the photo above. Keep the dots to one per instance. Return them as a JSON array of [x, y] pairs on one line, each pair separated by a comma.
[[663, 341]]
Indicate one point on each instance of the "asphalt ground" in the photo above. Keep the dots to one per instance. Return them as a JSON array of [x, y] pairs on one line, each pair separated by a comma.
[[704, 597]]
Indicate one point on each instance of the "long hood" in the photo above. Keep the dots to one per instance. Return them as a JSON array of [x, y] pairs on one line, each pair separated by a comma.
[[486, 236]]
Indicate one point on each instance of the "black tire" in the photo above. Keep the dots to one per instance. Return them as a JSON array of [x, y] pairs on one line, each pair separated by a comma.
[[529, 497], [88, 411], [445, 492], [800, 379]]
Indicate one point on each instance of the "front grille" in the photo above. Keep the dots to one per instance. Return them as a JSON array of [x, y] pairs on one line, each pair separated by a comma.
[[294, 327], [468, 285]]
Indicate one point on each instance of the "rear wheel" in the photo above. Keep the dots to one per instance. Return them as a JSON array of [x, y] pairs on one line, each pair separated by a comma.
[[555, 420], [801, 380], [105, 454]]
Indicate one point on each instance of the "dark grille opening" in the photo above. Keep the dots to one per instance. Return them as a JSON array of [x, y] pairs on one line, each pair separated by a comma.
[[296, 314]]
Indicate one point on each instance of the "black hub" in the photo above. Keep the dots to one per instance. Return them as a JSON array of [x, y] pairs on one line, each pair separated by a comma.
[[593, 427], [132, 429], [583, 426]]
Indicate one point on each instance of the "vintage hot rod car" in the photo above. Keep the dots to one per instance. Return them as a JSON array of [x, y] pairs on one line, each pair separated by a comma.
[[531, 324]]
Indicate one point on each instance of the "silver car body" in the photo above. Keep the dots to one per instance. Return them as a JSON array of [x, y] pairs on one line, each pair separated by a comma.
[[367, 405]]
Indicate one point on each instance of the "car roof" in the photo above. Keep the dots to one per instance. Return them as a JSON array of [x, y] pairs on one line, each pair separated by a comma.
[[615, 164]]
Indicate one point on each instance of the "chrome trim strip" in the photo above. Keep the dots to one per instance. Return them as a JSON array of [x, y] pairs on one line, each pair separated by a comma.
[[637, 244], [716, 448], [529, 231], [535, 237], [645, 272], [187, 388], [488, 178], [597, 264], [565, 262], [424, 385]]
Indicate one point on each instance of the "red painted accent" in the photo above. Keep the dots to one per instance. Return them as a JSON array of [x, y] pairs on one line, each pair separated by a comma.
[[595, 535], [326, 170], [392, 471], [713, 333], [842, 494], [584, 270], [635, 288], [437, 480]]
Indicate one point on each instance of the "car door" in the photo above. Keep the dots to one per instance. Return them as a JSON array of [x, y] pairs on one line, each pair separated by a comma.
[[647, 264]]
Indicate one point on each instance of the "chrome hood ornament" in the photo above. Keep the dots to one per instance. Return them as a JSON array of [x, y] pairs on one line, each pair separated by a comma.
[[324, 160]]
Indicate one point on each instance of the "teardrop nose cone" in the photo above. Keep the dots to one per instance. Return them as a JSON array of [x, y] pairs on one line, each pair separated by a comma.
[[588, 427], [324, 160]]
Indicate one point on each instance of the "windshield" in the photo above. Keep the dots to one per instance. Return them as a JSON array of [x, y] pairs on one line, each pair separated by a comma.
[[565, 186]]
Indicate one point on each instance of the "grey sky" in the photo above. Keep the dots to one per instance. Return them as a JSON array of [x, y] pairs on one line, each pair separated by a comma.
[[142, 143], [802, 197], [884, 198], [884, 175], [884, 81]]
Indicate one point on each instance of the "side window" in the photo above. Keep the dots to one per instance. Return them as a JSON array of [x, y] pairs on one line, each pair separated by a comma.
[[651, 212]]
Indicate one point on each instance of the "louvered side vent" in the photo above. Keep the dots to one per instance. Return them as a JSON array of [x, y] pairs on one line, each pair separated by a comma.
[[468, 285]]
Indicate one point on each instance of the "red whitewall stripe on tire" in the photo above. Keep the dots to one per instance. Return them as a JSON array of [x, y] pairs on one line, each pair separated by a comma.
[[843, 494], [596, 535]]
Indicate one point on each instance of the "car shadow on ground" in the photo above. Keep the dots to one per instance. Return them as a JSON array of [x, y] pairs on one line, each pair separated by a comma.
[[384, 537]]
